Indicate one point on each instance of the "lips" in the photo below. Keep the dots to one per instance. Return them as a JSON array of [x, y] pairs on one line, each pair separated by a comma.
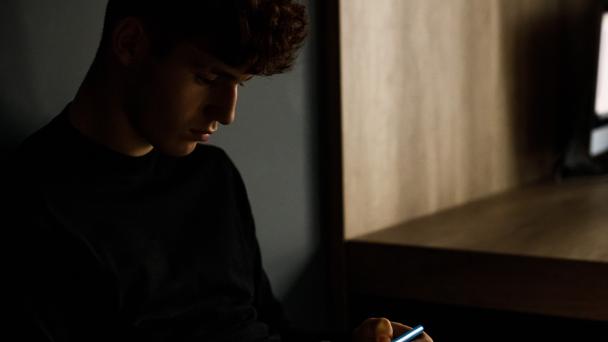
[[200, 131], [201, 135]]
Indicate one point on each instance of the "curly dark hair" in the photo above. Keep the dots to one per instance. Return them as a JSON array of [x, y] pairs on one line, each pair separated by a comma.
[[264, 35]]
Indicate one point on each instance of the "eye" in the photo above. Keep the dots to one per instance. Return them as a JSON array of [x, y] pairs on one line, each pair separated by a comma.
[[205, 78], [242, 84]]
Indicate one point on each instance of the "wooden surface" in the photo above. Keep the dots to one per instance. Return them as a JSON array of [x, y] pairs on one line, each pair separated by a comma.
[[563, 221], [444, 102], [564, 288], [541, 249]]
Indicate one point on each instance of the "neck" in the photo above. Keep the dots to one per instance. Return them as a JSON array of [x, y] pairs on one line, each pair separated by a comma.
[[97, 111]]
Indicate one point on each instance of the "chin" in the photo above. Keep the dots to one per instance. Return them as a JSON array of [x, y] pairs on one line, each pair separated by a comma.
[[179, 150]]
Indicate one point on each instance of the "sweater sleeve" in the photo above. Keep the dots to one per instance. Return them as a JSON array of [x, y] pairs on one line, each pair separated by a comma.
[[18, 320], [269, 309], [58, 290]]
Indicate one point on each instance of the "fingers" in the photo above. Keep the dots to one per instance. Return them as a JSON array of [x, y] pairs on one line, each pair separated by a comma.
[[374, 329], [383, 330], [424, 338], [399, 328], [382, 327]]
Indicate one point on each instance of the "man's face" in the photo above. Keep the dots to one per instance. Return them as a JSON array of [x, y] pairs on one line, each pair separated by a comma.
[[178, 101]]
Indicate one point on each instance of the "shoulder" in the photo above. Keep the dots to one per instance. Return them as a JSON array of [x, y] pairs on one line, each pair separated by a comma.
[[34, 153], [41, 141]]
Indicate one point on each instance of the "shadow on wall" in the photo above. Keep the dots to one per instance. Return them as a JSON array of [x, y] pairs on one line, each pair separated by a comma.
[[551, 58], [18, 97], [302, 302]]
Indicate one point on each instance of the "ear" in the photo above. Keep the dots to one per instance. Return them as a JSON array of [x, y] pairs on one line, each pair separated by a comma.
[[130, 42]]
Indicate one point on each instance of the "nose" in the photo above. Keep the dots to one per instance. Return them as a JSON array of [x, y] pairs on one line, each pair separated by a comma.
[[222, 103]]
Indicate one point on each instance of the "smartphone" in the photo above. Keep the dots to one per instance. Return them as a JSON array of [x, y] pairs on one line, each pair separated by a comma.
[[410, 335]]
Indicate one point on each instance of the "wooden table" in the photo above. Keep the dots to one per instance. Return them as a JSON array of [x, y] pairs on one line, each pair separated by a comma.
[[540, 249]]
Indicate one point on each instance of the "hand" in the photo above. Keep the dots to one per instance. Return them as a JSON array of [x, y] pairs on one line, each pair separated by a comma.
[[383, 330]]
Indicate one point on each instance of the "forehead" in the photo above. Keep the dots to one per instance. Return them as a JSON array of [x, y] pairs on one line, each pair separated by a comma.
[[199, 57]]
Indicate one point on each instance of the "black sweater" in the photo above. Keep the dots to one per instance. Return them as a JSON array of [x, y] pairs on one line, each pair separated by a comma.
[[108, 247]]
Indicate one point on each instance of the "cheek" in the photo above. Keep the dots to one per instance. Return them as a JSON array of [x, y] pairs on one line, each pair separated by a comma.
[[177, 113], [191, 98], [181, 93], [189, 108], [170, 105]]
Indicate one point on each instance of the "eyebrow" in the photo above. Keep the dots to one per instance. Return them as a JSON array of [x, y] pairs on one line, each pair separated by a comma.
[[230, 76], [202, 60]]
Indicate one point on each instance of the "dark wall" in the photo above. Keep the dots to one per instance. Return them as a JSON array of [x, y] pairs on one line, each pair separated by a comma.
[[47, 47], [46, 50]]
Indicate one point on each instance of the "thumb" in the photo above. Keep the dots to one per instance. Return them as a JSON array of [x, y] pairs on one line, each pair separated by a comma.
[[383, 330]]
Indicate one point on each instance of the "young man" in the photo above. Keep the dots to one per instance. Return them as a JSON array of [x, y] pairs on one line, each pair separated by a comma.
[[125, 226]]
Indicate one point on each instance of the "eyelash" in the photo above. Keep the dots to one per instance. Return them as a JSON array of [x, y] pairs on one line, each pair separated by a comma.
[[205, 80]]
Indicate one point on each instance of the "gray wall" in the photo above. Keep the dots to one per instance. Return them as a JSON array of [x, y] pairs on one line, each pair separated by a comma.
[[47, 47]]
